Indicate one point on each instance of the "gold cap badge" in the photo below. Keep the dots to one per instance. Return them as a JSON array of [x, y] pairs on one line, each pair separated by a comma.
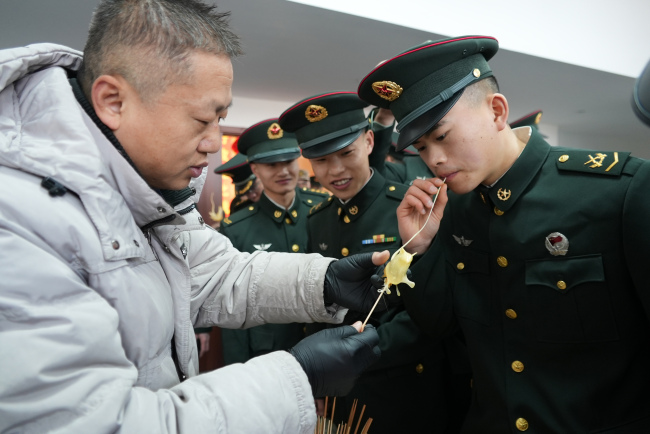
[[315, 113], [274, 131], [387, 89]]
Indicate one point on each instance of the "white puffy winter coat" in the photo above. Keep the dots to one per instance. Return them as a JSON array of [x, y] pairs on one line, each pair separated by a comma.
[[89, 303]]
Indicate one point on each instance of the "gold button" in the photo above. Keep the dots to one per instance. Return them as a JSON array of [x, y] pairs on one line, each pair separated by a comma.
[[460, 265], [309, 200], [561, 284], [497, 211], [517, 366], [288, 220], [277, 214], [476, 72], [339, 211], [502, 261], [295, 247], [250, 208], [563, 158], [419, 368], [346, 219], [522, 424], [345, 251], [510, 313], [392, 188]]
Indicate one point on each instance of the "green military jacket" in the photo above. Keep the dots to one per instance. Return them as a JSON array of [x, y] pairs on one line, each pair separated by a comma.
[[404, 389], [265, 226], [546, 275]]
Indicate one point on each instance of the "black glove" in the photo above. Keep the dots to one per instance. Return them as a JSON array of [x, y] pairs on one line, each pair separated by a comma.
[[334, 358], [347, 283]]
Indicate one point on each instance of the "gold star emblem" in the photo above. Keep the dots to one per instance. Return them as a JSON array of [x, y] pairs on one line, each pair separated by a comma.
[[274, 131], [277, 214], [354, 210], [315, 113], [503, 194], [387, 90]]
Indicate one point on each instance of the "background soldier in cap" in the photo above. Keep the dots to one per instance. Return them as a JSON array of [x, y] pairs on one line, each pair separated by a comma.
[[248, 189], [529, 120], [403, 390], [276, 223], [540, 258], [403, 166]]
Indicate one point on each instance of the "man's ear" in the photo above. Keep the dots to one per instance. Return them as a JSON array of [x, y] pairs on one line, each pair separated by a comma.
[[500, 109], [369, 140], [107, 95], [253, 167]]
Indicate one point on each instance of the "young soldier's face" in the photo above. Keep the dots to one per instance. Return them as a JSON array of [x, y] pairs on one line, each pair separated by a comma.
[[278, 178], [169, 139], [345, 172], [463, 148]]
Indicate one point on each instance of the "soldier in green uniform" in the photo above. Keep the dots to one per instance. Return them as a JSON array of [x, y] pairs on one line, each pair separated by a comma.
[[403, 389], [247, 187], [541, 255], [276, 223]]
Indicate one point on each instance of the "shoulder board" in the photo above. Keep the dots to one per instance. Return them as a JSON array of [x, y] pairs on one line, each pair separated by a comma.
[[321, 205], [240, 215], [396, 190], [598, 162]]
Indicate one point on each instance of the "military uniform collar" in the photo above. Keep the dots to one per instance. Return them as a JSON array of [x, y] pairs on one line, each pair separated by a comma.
[[505, 192], [277, 213], [355, 207]]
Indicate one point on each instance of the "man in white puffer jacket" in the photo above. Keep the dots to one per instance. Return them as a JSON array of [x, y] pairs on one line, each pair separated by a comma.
[[106, 265]]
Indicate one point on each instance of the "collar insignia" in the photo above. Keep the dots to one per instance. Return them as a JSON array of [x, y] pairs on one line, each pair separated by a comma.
[[354, 210], [462, 241], [262, 246], [503, 194], [315, 113], [277, 214], [387, 90], [274, 131]]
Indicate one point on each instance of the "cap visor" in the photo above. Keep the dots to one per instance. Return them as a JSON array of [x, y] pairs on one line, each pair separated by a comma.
[[425, 122], [331, 146], [278, 158]]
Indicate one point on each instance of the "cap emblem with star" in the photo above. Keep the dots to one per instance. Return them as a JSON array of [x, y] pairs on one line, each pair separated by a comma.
[[315, 113], [274, 131], [387, 90]]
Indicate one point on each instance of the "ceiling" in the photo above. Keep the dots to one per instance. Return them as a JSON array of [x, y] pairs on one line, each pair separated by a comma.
[[293, 51]]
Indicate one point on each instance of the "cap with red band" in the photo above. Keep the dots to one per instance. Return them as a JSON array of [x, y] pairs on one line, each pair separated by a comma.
[[423, 83]]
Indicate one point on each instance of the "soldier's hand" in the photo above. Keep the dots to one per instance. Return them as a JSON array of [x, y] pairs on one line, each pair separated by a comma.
[[347, 281], [334, 358], [414, 209]]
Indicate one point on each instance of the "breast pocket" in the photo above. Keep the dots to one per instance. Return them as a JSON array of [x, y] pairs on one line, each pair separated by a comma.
[[570, 300], [471, 286]]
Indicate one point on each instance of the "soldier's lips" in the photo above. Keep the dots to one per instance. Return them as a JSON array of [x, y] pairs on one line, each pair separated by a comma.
[[341, 184]]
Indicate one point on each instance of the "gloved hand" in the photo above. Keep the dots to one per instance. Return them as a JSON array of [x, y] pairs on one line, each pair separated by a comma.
[[334, 358], [347, 283]]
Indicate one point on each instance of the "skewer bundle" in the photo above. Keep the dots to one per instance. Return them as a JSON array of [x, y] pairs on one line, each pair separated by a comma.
[[326, 426]]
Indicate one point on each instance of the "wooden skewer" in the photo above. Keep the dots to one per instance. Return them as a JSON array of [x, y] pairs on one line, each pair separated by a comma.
[[360, 417], [351, 418], [366, 427]]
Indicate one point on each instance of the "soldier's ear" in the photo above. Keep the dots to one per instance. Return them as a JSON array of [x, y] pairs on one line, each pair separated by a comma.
[[369, 140], [107, 95], [500, 110], [253, 167]]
